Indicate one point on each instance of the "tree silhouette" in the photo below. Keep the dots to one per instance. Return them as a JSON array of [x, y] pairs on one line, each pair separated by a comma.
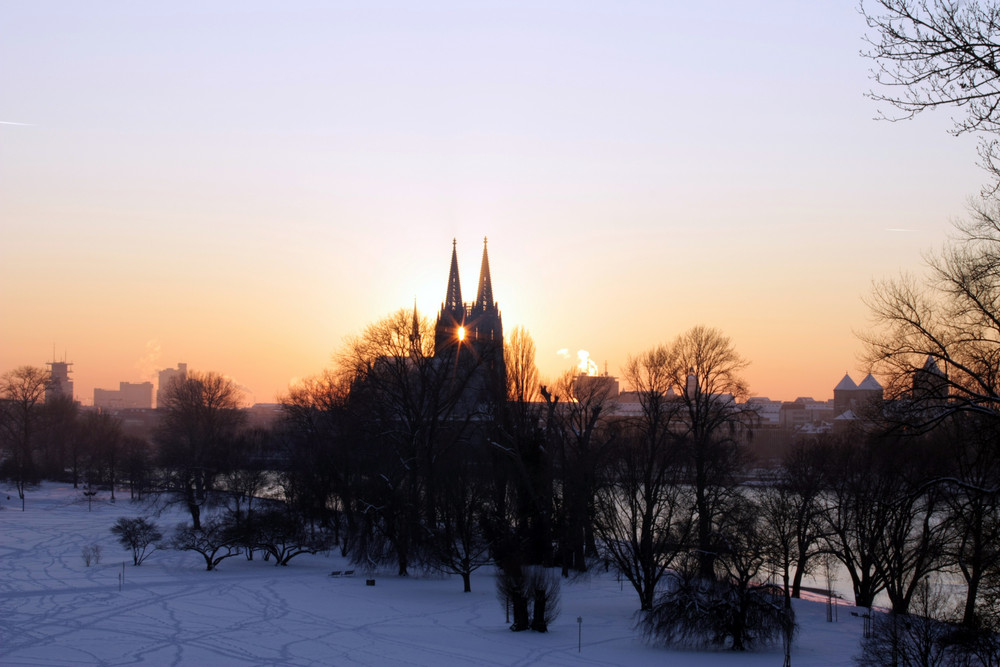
[[200, 424], [22, 393], [711, 426], [939, 53], [644, 516]]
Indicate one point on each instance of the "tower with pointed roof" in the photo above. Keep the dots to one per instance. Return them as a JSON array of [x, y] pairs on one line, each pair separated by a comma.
[[930, 384], [851, 399], [451, 319], [870, 390], [843, 395], [471, 335]]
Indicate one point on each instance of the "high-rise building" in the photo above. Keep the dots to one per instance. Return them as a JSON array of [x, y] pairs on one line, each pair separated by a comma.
[[166, 376], [128, 396], [59, 383]]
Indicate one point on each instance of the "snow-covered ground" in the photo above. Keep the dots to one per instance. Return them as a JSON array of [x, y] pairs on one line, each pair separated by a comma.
[[56, 611]]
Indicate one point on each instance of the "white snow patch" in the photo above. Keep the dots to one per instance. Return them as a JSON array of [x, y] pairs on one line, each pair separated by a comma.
[[56, 611]]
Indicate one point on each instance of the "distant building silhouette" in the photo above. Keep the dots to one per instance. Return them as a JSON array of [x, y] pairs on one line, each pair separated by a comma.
[[59, 383], [128, 396], [806, 413], [781, 424], [930, 384], [470, 336], [855, 398], [165, 377], [593, 385]]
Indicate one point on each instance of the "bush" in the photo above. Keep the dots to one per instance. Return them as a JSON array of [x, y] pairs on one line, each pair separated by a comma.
[[700, 612], [216, 540], [909, 640], [533, 595], [282, 535], [138, 534], [91, 553]]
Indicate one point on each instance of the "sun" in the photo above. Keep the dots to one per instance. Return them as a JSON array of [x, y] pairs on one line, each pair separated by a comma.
[[461, 333]]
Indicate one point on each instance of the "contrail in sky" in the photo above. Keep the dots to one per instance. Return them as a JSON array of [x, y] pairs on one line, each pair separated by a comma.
[[899, 229], [10, 122]]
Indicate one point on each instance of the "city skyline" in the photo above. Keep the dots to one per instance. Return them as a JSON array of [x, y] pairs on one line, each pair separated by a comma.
[[240, 187]]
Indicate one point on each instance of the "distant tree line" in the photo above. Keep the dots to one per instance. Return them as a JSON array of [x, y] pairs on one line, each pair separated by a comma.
[[381, 458], [384, 458]]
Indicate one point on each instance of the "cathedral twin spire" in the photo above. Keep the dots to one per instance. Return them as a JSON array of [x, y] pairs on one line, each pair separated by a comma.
[[453, 300], [484, 295], [470, 337]]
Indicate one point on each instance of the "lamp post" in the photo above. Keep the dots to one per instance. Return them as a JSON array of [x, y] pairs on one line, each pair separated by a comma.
[[579, 633], [90, 493]]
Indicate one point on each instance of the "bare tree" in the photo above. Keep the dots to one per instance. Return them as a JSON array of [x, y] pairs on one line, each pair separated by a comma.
[[216, 540], [58, 441], [458, 542], [522, 373], [644, 518], [246, 472], [711, 425], [522, 494], [581, 434], [533, 592], [411, 405], [886, 520], [138, 534], [856, 516], [803, 478], [136, 465], [921, 640], [102, 438], [913, 545], [972, 498], [281, 534], [321, 461], [940, 53], [199, 426], [22, 392], [937, 343], [735, 606], [791, 513], [644, 514]]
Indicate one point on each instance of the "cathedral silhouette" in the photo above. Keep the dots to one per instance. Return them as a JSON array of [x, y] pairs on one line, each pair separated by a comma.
[[469, 336]]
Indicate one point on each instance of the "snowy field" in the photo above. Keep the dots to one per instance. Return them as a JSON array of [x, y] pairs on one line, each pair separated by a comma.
[[56, 611]]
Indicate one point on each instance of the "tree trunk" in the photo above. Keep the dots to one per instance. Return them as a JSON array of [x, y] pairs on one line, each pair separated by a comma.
[[402, 566], [797, 580], [538, 623], [195, 509], [519, 604], [706, 554], [646, 597], [969, 619]]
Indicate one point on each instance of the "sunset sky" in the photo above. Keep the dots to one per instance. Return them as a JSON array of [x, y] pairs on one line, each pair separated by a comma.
[[240, 185]]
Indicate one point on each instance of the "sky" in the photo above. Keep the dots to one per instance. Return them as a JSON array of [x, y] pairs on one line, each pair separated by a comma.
[[241, 185]]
